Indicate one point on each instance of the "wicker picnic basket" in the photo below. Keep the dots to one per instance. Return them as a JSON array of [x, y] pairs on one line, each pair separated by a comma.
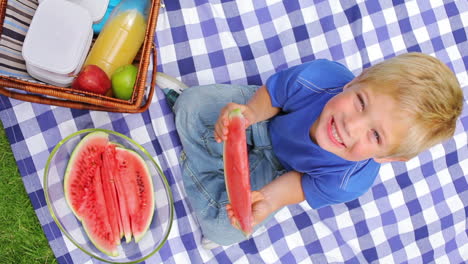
[[16, 83]]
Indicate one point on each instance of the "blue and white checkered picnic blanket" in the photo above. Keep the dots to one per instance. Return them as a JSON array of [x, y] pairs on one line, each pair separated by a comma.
[[416, 211]]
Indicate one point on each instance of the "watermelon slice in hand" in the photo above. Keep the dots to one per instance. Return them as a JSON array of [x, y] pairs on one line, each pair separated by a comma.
[[236, 171]]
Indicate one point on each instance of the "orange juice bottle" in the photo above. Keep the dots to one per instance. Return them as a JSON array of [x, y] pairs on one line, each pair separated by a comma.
[[121, 37]]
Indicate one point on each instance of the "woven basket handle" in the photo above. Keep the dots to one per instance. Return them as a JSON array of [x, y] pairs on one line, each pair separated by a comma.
[[36, 98]]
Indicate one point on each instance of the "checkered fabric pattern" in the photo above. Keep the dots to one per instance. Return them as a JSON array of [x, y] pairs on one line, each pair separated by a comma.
[[416, 212]]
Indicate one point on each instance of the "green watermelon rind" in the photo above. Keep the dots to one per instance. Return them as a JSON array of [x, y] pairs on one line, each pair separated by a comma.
[[54, 215], [116, 144], [85, 140]]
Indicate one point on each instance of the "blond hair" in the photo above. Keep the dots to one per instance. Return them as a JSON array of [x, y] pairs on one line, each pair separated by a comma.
[[427, 92]]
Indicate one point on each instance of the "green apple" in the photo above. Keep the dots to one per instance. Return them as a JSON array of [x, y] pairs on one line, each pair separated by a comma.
[[123, 81]]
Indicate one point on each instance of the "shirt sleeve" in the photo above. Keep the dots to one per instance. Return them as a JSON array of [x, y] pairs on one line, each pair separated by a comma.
[[298, 81], [334, 188]]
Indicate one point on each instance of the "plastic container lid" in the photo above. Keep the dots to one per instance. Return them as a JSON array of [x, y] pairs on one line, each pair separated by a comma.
[[56, 79], [97, 27], [97, 8], [49, 77], [57, 36]]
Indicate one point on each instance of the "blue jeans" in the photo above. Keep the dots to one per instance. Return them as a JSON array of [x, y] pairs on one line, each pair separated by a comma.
[[196, 111]]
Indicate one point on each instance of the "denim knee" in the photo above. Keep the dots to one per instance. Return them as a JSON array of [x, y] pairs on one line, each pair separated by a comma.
[[188, 100]]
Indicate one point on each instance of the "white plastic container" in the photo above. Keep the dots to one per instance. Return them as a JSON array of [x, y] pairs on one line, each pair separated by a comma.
[[57, 79], [97, 8], [57, 41]]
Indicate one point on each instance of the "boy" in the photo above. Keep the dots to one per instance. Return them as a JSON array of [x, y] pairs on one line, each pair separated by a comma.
[[316, 133]]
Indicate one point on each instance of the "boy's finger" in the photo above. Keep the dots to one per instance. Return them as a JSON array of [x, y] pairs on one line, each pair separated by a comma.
[[217, 134], [220, 130], [257, 196], [234, 223]]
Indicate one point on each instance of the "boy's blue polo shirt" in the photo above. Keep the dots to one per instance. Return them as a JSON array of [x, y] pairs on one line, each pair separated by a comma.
[[301, 92]]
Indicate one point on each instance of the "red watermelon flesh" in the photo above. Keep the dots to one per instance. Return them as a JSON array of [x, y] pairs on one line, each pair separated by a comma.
[[138, 190], [80, 171], [121, 184], [84, 191], [96, 221], [110, 191], [236, 171]]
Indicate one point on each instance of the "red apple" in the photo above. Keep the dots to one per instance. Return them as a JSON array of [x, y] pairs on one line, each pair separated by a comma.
[[92, 79]]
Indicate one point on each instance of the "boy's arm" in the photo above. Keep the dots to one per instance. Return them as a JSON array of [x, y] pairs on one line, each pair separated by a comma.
[[258, 108], [284, 190]]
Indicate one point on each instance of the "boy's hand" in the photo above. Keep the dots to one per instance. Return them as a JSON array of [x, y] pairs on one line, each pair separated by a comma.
[[261, 209], [284, 190], [221, 130], [258, 108]]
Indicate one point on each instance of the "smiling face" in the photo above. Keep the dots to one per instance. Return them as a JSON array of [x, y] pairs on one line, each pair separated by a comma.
[[359, 124]]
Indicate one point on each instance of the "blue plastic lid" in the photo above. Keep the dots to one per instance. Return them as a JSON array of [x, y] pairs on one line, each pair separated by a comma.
[[98, 27], [140, 5]]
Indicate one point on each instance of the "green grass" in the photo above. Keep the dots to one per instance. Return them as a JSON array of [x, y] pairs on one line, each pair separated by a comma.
[[21, 237]]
